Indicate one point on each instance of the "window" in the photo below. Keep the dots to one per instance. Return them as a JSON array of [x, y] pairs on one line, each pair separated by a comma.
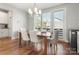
[[46, 18], [37, 22], [58, 19], [42, 22]]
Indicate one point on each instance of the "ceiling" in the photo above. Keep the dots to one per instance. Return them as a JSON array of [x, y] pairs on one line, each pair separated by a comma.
[[25, 6]]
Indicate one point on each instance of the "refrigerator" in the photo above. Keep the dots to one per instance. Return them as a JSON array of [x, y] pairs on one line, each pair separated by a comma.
[[74, 40]]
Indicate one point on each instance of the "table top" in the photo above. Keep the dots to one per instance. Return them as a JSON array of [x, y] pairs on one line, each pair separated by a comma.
[[47, 34]]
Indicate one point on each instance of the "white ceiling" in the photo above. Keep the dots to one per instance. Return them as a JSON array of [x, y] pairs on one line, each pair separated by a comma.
[[25, 6]]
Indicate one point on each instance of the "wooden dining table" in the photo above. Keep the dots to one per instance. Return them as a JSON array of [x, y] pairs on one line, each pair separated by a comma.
[[45, 43], [43, 36]]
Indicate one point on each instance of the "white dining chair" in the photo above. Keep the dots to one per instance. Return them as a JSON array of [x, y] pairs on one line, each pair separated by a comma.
[[53, 42], [35, 40], [25, 36], [54, 35]]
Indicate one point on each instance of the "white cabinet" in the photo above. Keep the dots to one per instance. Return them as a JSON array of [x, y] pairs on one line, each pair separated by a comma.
[[3, 17], [4, 33]]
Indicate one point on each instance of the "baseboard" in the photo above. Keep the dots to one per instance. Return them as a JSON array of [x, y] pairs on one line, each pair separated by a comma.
[[7, 37], [13, 38]]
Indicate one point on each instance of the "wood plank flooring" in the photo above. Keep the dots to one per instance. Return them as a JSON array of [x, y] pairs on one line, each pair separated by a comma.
[[11, 47]]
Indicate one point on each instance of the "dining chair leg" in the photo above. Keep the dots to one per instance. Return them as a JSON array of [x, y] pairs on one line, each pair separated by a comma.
[[27, 43], [41, 45], [55, 49], [51, 48], [35, 46], [38, 47]]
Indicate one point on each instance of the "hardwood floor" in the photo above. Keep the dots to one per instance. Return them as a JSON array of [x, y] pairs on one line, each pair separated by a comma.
[[11, 47]]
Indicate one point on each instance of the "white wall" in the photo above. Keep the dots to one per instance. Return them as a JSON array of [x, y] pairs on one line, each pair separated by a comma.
[[30, 22], [71, 19], [18, 19]]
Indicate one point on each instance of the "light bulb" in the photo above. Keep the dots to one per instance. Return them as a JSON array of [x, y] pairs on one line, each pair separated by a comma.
[[40, 12], [35, 9], [30, 11]]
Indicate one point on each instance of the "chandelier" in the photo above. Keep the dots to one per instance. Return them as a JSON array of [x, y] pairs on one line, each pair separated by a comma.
[[34, 11]]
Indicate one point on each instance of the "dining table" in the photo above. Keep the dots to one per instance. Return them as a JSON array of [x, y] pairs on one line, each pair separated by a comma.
[[43, 36]]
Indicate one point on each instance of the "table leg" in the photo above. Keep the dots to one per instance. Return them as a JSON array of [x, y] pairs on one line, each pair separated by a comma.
[[20, 40], [45, 45]]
